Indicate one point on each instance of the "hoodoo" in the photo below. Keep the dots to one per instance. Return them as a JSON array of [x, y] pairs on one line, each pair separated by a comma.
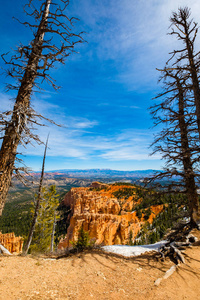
[[108, 219], [12, 243]]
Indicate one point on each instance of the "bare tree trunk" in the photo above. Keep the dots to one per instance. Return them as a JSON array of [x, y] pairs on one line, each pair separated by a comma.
[[37, 206], [53, 232], [15, 128], [186, 28], [189, 175], [194, 76]]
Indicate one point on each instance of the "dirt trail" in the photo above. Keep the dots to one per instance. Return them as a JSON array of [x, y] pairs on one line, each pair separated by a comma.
[[98, 276]]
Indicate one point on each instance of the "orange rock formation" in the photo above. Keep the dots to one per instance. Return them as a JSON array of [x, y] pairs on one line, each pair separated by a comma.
[[107, 219], [12, 243]]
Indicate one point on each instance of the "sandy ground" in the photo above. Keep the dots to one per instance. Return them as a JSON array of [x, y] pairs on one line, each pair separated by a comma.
[[98, 275]]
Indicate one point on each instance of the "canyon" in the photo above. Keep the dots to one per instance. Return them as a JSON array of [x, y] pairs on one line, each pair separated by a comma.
[[106, 213]]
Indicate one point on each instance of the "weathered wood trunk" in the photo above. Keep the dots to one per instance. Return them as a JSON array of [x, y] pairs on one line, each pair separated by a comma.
[[53, 233], [37, 206], [189, 175], [18, 121], [194, 75]]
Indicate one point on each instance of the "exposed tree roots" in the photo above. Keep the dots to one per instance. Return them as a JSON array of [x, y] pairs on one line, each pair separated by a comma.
[[177, 241]]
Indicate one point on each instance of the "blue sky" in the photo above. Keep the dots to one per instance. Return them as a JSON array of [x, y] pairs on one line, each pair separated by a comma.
[[106, 88]]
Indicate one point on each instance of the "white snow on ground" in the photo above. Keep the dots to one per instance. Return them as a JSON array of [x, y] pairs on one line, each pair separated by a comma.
[[129, 251]]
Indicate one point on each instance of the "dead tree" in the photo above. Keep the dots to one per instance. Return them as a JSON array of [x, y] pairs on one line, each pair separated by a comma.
[[53, 232], [29, 67], [178, 141], [37, 205], [185, 29]]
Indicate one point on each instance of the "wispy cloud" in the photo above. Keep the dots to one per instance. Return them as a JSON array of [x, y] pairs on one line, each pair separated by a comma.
[[133, 34], [80, 123], [118, 105], [60, 115], [6, 102], [130, 144], [78, 138]]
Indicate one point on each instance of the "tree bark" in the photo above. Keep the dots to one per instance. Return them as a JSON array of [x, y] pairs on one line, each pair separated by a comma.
[[18, 121], [37, 206], [194, 76], [189, 175], [53, 232]]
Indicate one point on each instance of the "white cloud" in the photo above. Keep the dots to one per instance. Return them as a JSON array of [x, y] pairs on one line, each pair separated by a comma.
[[78, 140], [6, 102], [118, 105], [131, 152], [80, 123], [131, 144], [64, 141], [133, 34], [60, 115]]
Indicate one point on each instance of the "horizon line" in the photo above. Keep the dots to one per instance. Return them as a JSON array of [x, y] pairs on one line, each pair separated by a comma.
[[57, 170]]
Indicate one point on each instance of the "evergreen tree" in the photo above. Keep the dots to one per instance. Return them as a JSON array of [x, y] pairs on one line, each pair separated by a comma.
[[130, 238], [83, 241], [43, 236]]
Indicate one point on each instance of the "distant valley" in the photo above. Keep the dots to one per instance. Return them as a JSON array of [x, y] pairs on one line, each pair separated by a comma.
[[103, 173], [68, 178]]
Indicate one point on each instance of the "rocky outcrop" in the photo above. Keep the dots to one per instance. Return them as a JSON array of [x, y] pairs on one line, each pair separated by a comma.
[[107, 219], [99, 185], [12, 243], [86, 200]]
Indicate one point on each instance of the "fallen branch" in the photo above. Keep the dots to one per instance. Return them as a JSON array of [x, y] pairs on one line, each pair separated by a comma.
[[4, 250], [168, 273]]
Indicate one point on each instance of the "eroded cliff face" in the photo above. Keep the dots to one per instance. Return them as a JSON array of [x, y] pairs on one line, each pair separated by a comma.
[[107, 219], [12, 243]]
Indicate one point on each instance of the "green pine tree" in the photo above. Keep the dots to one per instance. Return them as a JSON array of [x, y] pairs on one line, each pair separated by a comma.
[[83, 241], [47, 217], [130, 238]]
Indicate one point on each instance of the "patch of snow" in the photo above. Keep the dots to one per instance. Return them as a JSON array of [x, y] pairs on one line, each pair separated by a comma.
[[129, 251]]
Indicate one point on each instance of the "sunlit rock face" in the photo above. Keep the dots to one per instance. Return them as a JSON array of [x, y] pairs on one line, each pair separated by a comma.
[[107, 219], [12, 243]]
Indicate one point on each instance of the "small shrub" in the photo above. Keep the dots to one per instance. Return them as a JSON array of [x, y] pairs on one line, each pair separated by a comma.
[[123, 183], [124, 193], [139, 214], [147, 213], [130, 238], [83, 241]]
